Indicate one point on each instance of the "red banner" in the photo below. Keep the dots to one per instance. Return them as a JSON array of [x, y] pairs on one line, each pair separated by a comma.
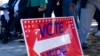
[[51, 37]]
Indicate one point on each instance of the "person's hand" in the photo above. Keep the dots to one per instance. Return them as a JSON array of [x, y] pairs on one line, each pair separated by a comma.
[[15, 14], [42, 8], [58, 3], [72, 7]]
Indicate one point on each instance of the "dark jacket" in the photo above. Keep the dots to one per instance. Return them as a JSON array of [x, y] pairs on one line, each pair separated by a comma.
[[82, 2], [22, 6], [74, 1], [10, 7], [97, 14]]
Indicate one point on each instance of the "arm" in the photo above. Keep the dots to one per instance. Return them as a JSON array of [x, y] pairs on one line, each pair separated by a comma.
[[43, 4], [22, 7]]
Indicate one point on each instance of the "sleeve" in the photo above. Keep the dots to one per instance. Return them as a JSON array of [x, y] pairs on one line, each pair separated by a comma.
[[43, 2], [23, 6]]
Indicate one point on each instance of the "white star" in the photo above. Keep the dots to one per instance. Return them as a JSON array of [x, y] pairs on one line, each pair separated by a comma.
[[49, 20], [32, 25], [25, 22], [32, 21], [42, 20], [72, 27], [72, 24], [46, 20], [39, 21], [29, 26], [26, 35], [29, 30], [25, 26], [71, 21], [26, 31], [69, 25], [36, 33], [36, 21], [28, 21], [68, 21]]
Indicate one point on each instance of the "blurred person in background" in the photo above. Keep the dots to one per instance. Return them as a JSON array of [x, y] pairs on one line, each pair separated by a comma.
[[36, 8], [66, 8], [97, 18], [17, 10], [5, 24], [54, 6], [88, 8], [71, 10]]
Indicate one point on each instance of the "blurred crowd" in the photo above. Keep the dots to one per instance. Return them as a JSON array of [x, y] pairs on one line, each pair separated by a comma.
[[82, 10]]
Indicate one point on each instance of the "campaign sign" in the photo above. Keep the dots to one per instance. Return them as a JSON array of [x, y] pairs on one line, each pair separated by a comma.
[[51, 37]]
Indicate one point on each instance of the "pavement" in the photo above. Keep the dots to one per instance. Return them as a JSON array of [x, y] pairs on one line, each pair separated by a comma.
[[14, 48]]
